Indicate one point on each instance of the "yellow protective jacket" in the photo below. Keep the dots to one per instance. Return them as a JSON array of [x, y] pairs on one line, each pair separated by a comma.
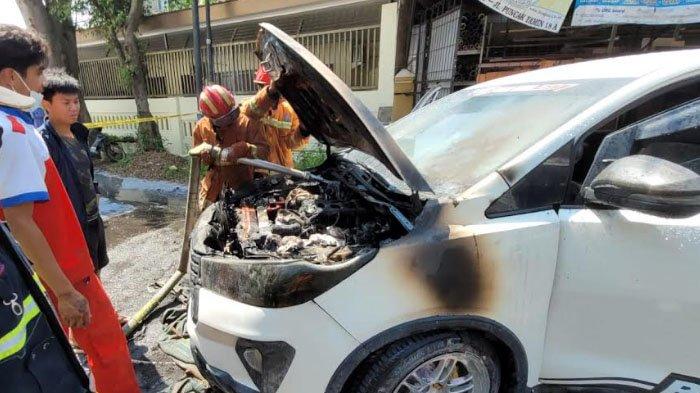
[[281, 125], [244, 132]]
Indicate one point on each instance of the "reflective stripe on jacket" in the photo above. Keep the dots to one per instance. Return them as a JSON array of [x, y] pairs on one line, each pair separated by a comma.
[[245, 131], [281, 126], [15, 340]]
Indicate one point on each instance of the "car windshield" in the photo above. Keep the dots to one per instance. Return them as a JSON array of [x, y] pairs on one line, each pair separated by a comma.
[[458, 140]]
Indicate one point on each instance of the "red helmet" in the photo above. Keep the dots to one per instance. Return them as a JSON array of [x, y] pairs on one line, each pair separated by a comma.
[[216, 101], [261, 76]]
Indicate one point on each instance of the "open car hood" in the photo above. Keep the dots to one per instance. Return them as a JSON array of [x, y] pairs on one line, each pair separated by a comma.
[[327, 106]]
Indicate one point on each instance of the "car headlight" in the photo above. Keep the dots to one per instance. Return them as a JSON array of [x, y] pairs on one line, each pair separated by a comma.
[[267, 363]]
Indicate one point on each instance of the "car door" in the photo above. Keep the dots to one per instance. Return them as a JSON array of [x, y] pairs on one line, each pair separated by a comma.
[[625, 307]]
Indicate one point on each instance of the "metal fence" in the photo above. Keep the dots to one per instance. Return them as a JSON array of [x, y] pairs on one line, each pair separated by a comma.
[[102, 78], [446, 47], [442, 48], [353, 54]]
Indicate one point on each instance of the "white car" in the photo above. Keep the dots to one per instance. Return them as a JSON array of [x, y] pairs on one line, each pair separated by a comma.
[[539, 231]]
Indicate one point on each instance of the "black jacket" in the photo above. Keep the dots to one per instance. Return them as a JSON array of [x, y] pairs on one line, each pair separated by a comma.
[[93, 231], [61, 157]]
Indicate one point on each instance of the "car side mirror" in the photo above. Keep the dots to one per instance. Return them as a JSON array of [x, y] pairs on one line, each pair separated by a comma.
[[647, 184]]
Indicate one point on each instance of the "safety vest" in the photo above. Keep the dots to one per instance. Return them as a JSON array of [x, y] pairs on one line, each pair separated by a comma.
[[32, 360]]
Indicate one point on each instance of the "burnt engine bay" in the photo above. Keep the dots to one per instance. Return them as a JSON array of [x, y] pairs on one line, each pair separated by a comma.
[[343, 211]]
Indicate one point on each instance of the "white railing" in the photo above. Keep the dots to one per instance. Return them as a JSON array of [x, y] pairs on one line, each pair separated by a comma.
[[353, 54]]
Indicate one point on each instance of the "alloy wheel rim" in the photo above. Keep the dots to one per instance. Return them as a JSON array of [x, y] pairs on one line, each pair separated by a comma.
[[449, 373]]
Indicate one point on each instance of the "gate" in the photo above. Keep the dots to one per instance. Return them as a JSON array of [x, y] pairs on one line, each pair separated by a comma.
[[446, 47]]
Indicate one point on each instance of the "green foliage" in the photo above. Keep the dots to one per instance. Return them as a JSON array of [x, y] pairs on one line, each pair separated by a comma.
[[202, 169], [177, 5], [126, 162], [105, 15], [148, 137], [62, 10], [180, 172], [109, 18], [118, 139], [177, 173], [125, 75], [307, 159]]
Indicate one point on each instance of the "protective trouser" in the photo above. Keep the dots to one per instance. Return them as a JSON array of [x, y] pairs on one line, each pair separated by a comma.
[[103, 341]]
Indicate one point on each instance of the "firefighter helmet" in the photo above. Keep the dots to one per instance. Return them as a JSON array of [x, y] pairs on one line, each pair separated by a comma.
[[216, 101], [262, 77]]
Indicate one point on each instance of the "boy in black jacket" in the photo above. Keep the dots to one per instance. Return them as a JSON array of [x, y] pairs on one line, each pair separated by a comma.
[[67, 143]]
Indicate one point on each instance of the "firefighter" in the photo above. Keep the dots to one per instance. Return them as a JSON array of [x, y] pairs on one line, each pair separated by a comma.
[[221, 137], [41, 217], [282, 127], [34, 357]]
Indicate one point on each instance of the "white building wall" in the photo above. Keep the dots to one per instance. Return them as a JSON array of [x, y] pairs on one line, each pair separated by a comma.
[[177, 131], [383, 97]]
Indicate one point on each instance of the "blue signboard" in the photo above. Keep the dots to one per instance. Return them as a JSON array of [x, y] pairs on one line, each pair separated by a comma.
[[650, 12]]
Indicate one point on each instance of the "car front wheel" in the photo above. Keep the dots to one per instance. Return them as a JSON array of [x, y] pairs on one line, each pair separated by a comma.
[[433, 364]]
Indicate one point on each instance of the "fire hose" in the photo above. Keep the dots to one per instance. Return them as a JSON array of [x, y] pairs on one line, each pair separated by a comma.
[[190, 216]]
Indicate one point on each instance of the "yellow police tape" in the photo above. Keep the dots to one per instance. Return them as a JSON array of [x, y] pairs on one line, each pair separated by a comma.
[[131, 121]]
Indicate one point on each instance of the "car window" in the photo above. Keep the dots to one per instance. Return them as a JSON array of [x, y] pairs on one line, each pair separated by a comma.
[[586, 148], [541, 188], [686, 153], [673, 135], [459, 139]]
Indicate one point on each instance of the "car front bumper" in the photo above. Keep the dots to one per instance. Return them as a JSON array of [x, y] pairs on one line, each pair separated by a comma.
[[300, 346]]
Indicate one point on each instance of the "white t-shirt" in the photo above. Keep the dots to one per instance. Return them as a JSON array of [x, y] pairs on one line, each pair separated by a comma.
[[23, 157]]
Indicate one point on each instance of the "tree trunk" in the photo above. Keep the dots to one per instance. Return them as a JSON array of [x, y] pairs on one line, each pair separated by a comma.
[[70, 52], [149, 136], [60, 36]]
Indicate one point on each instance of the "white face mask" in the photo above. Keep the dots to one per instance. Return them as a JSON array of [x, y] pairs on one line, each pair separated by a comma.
[[11, 98], [36, 97]]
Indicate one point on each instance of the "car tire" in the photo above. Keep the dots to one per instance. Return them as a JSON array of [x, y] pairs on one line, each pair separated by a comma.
[[402, 363]]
